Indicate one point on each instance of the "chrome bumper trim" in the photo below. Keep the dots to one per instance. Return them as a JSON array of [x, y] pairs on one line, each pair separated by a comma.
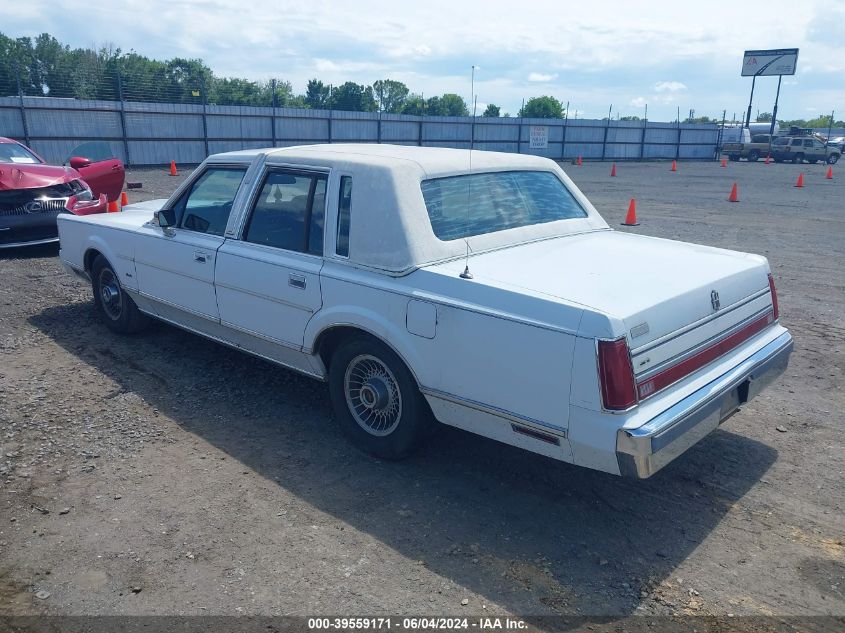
[[643, 451]]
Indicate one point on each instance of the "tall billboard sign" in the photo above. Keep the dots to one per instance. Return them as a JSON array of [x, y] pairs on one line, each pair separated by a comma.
[[768, 63], [781, 61]]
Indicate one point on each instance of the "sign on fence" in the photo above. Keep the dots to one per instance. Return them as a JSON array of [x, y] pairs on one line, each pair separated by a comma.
[[539, 137]]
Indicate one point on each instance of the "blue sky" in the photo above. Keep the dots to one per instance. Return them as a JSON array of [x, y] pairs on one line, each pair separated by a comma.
[[668, 55]]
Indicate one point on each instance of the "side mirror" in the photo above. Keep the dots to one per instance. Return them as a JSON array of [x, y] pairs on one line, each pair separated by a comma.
[[77, 162], [166, 218]]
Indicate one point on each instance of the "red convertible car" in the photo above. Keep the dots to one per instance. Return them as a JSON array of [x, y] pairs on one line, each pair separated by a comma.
[[33, 193]]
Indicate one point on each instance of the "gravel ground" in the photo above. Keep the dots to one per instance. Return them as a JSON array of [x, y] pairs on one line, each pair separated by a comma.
[[165, 474]]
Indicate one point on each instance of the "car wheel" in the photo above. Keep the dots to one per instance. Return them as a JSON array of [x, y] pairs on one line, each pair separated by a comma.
[[754, 155], [115, 307], [798, 158], [376, 399], [733, 157], [831, 160], [812, 161]]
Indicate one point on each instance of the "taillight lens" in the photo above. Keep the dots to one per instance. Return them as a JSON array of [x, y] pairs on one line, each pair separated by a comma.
[[616, 375], [774, 295]]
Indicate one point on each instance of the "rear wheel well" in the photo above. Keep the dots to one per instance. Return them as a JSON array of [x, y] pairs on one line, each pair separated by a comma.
[[329, 340], [88, 260]]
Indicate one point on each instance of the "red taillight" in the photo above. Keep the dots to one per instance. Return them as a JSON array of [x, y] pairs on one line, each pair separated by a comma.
[[616, 375], [774, 295]]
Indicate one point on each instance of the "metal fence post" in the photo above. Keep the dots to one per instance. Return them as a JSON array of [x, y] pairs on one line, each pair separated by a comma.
[[678, 145], [123, 119], [420, 133], [331, 113], [563, 132], [642, 139], [22, 107], [273, 103], [204, 121], [606, 128], [378, 129]]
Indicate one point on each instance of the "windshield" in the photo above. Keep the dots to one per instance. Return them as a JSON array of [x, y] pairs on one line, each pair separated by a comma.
[[475, 204], [14, 153]]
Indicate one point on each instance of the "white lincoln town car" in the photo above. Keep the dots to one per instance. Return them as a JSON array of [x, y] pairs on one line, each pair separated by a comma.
[[481, 290]]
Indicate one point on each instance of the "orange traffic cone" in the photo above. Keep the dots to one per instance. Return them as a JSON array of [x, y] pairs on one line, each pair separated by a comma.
[[768, 159], [124, 199], [724, 162], [800, 182], [113, 208], [580, 160], [613, 170], [734, 197], [829, 175], [631, 217], [674, 165], [173, 171]]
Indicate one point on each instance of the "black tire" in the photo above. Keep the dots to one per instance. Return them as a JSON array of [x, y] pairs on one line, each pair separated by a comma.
[[812, 161], [831, 160], [115, 307], [798, 159], [394, 416], [754, 155], [778, 160], [733, 157]]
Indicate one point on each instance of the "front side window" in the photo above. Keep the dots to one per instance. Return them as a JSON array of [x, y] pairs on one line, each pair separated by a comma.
[[289, 212], [808, 142], [344, 208], [796, 142], [206, 207], [475, 204]]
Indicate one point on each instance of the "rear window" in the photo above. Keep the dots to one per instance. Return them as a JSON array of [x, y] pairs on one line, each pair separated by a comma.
[[476, 204]]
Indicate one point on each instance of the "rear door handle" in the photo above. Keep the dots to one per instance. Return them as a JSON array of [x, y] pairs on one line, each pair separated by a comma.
[[200, 257], [297, 281]]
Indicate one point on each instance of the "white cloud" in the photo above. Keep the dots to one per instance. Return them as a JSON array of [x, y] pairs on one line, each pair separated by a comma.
[[541, 77], [669, 86], [638, 102]]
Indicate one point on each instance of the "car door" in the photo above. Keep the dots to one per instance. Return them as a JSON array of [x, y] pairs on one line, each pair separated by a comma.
[[268, 280], [175, 265], [98, 167]]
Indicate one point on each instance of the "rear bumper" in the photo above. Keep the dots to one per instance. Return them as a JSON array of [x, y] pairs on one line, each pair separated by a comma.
[[643, 451]]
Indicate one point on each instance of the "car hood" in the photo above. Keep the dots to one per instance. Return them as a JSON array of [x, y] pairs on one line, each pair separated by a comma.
[[24, 176]]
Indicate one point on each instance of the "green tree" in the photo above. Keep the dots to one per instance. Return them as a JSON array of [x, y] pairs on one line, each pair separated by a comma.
[[390, 95], [353, 97], [449, 104], [630, 117], [764, 117], [542, 108], [414, 104], [491, 110], [317, 94]]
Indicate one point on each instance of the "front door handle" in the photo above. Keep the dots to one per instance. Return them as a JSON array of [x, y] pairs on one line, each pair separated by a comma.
[[200, 257], [297, 281]]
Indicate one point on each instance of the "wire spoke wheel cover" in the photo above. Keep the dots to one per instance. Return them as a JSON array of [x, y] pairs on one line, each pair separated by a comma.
[[110, 294], [372, 395]]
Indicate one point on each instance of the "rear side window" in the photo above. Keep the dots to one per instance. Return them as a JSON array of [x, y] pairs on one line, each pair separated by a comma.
[[344, 208], [475, 204], [796, 142], [206, 207], [289, 212]]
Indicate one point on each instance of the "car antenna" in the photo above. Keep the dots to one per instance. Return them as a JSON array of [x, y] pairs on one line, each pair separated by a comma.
[[466, 274]]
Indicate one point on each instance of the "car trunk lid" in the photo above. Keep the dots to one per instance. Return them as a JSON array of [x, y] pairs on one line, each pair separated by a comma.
[[672, 298]]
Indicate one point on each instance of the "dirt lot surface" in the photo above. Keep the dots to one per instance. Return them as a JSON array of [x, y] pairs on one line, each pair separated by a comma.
[[165, 474]]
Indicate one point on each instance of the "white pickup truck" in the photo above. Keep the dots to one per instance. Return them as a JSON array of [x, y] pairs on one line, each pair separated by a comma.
[[482, 290]]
